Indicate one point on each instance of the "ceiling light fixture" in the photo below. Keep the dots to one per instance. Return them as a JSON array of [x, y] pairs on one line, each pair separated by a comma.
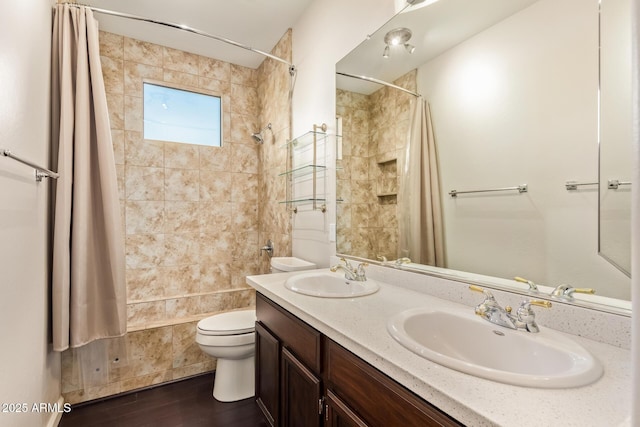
[[397, 37]]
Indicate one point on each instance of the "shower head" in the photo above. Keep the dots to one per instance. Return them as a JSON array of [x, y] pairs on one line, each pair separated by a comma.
[[258, 137]]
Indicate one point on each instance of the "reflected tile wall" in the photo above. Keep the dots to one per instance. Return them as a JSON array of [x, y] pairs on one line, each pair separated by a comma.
[[374, 128], [193, 215]]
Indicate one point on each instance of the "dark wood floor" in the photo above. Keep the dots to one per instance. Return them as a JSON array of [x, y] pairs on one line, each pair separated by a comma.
[[187, 403]]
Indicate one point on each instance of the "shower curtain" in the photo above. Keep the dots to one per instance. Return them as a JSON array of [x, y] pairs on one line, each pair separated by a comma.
[[88, 277], [421, 235]]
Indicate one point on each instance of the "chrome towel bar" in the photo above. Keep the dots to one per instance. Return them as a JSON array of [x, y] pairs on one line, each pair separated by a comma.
[[613, 184], [520, 188], [40, 171], [573, 185]]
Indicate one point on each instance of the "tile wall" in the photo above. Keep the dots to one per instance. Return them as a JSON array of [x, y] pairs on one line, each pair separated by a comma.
[[374, 131], [195, 217]]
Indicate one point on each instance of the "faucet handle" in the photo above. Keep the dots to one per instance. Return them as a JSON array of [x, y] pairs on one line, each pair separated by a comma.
[[382, 258], [527, 317], [532, 286], [488, 295], [346, 263], [566, 291]]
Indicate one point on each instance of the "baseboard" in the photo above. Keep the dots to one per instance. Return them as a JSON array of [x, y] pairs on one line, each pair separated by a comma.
[[56, 416]]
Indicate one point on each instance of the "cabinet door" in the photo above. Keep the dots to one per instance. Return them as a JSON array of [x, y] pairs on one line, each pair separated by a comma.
[[338, 414], [301, 395], [267, 374]]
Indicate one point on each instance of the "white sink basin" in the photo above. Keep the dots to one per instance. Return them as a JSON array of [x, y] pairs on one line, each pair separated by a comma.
[[465, 342], [329, 285]]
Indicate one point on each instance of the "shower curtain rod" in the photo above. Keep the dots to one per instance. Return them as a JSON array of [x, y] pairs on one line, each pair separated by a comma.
[[380, 82], [292, 67]]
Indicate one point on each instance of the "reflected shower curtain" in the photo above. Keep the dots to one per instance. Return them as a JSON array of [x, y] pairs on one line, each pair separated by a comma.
[[421, 235], [88, 279]]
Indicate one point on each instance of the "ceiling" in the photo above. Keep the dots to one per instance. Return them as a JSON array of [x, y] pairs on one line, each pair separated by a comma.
[[436, 26], [255, 23]]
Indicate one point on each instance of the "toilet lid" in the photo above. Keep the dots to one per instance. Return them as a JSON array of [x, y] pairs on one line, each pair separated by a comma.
[[230, 323]]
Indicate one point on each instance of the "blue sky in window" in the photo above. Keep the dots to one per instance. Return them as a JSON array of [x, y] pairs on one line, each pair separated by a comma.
[[181, 116]]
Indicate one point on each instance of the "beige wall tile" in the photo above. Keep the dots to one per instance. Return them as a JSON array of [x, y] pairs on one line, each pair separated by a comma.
[[245, 216], [113, 74], [145, 283], [143, 152], [216, 247], [144, 183], [142, 52], [181, 217], [111, 45], [243, 76], [145, 250], [245, 100], [181, 156], [215, 158], [215, 217], [215, 276], [179, 60], [182, 184], [144, 312], [135, 72], [183, 307], [183, 79], [244, 158], [115, 104], [221, 87], [181, 280], [144, 217], [214, 68], [215, 186], [133, 113], [146, 380], [185, 349], [244, 188], [196, 368], [181, 249]]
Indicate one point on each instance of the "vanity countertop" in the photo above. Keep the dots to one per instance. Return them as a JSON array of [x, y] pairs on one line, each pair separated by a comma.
[[359, 324]]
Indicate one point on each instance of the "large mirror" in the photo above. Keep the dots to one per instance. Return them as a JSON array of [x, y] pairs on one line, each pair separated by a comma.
[[513, 93]]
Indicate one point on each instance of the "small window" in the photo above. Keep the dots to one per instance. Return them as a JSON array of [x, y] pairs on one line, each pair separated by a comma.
[[178, 115]]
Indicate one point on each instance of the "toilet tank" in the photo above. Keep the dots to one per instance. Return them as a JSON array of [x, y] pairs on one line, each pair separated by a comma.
[[289, 263]]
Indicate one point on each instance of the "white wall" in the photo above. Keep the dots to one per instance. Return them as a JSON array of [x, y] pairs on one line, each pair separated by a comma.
[[516, 105], [327, 31], [29, 370]]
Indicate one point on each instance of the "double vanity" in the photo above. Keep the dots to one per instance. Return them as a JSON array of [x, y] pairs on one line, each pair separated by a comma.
[[342, 351]]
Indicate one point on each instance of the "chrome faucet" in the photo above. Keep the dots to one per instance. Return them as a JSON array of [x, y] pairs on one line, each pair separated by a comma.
[[351, 273], [268, 248], [525, 317], [397, 263], [532, 286], [566, 291]]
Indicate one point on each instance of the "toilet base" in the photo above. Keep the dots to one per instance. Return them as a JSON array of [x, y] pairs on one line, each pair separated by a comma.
[[234, 379]]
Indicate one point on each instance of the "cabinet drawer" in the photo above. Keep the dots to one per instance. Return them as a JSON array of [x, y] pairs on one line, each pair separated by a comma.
[[300, 338], [375, 397]]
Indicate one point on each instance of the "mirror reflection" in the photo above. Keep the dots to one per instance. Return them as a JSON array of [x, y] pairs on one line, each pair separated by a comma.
[[510, 91]]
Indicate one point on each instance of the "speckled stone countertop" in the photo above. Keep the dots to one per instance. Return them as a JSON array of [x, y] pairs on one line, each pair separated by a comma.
[[359, 324]]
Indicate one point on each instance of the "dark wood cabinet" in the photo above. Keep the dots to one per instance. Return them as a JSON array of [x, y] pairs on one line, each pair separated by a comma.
[[267, 377], [338, 413], [301, 396], [304, 379]]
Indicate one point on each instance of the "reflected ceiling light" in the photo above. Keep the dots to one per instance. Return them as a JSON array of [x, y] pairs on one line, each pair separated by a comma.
[[397, 37]]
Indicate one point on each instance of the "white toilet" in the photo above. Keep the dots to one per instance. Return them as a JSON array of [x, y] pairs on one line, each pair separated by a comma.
[[230, 338], [289, 263]]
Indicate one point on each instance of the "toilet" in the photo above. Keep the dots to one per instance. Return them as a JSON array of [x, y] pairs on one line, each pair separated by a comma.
[[230, 338], [289, 263]]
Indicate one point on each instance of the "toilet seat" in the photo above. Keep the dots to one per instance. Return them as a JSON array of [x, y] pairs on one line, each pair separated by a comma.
[[230, 323]]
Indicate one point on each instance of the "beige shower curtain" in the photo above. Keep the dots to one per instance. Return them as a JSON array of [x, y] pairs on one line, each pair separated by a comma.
[[421, 235], [88, 281]]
